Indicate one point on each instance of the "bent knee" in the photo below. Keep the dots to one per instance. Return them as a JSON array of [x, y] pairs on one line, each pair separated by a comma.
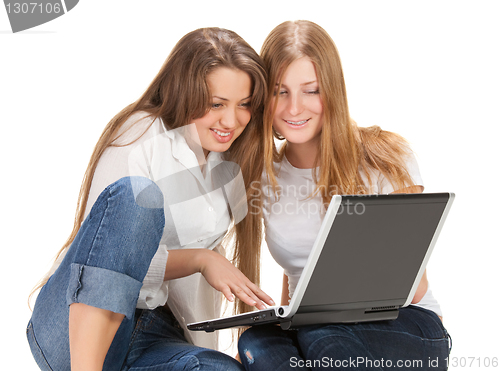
[[138, 200], [143, 191], [208, 359], [146, 192], [258, 342], [334, 337], [251, 338]]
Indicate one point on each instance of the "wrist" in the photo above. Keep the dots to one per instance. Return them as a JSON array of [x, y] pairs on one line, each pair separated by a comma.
[[201, 258], [185, 262]]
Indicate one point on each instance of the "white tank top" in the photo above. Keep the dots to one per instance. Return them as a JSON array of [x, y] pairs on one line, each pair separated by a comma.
[[293, 222]]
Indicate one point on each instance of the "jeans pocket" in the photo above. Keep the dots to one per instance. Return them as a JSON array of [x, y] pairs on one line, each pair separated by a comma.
[[432, 316], [450, 341], [36, 351]]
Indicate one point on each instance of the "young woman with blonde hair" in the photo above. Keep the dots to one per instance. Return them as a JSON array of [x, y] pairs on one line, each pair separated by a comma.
[[168, 177], [326, 153]]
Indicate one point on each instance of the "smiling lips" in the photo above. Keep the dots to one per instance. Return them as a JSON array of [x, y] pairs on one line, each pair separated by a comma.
[[222, 136], [297, 124]]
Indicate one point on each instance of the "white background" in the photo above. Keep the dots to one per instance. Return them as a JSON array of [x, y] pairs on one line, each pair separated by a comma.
[[428, 70]]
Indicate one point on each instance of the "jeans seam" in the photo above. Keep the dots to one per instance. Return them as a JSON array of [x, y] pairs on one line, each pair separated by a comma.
[[140, 326], [31, 333], [98, 229], [75, 294], [109, 190], [157, 366]]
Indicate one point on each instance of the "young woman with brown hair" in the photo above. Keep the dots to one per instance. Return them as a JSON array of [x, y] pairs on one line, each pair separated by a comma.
[[168, 177], [326, 153]]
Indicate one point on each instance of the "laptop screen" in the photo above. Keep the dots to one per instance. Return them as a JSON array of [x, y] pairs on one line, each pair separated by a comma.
[[374, 250]]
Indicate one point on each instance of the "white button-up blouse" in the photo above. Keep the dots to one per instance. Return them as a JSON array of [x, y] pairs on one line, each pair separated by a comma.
[[196, 211]]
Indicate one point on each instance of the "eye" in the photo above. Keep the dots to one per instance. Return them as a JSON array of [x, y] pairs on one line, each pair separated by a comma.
[[246, 104], [281, 92], [312, 92], [216, 105]]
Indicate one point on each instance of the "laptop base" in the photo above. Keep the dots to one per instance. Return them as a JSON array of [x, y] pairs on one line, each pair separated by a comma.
[[242, 320], [338, 316], [363, 266]]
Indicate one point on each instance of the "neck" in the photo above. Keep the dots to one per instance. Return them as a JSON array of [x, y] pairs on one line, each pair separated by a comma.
[[202, 159], [303, 155]]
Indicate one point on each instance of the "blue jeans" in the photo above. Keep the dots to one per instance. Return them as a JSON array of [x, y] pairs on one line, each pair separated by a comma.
[[104, 268], [416, 340]]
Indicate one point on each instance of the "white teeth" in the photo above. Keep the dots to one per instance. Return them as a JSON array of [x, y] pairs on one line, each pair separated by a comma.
[[298, 122], [221, 133]]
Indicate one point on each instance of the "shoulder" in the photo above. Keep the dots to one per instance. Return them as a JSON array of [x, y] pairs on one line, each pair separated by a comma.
[[136, 127], [413, 168], [381, 149], [388, 156], [374, 138]]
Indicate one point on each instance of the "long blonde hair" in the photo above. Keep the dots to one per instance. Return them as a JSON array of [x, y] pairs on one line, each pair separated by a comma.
[[345, 148], [178, 94]]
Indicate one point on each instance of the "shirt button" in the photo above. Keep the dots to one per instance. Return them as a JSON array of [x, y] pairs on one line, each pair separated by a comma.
[[210, 209], [200, 239]]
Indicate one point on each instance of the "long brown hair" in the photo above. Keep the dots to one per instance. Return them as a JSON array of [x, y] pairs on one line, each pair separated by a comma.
[[345, 148], [178, 94]]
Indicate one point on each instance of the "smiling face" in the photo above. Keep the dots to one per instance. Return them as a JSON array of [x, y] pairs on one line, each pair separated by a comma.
[[231, 92], [299, 112]]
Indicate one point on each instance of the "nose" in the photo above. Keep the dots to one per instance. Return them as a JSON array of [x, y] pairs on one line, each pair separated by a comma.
[[296, 106], [229, 119]]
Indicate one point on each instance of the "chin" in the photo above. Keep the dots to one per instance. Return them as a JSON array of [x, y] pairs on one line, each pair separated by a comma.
[[296, 139], [220, 148]]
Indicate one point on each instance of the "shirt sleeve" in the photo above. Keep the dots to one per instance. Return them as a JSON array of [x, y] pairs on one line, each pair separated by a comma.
[[133, 159], [154, 291], [385, 186], [430, 303], [126, 158]]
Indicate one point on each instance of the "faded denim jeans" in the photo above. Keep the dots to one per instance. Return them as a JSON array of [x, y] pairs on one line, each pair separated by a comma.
[[104, 268], [416, 340]]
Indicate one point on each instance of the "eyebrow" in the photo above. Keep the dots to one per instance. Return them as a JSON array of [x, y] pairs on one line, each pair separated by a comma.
[[306, 83], [225, 99]]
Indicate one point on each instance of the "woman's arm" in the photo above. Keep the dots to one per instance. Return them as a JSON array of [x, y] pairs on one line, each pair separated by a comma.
[[91, 329], [285, 294], [219, 273], [421, 289]]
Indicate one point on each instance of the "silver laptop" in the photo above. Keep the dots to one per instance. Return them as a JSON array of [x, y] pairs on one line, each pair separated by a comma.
[[366, 263]]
